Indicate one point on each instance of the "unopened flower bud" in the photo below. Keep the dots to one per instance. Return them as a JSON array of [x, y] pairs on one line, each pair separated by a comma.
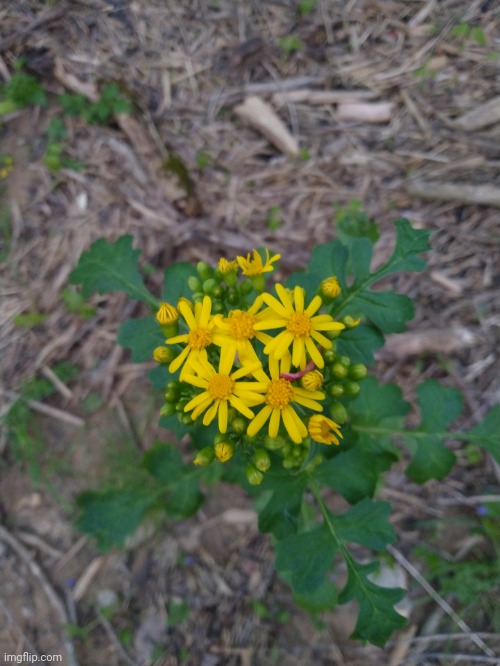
[[312, 381], [167, 314], [163, 355], [330, 288], [254, 476], [224, 451], [204, 457], [350, 322], [261, 460]]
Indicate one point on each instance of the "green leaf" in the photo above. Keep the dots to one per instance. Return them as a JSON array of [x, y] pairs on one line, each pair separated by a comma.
[[487, 433], [439, 407], [322, 598], [111, 267], [353, 222], [377, 618], [175, 281], [281, 513], [303, 560], [141, 336], [387, 310], [378, 405], [359, 344], [164, 463], [366, 523], [111, 516], [355, 473], [410, 243]]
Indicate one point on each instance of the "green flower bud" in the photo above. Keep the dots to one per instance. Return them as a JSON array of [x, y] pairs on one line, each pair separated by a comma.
[[261, 460], [181, 404], [204, 457], [335, 390], [217, 291], [204, 270], [254, 476], [167, 410], [345, 360], [185, 418], [217, 307], [246, 287], [233, 298], [339, 371], [289, 463], [209, 286], [352, 389], [238, 425], [274, 443], [198, 296], [350, 322], [338, 413], [194, 283], [357, 372], [329, 355], [171, 395]]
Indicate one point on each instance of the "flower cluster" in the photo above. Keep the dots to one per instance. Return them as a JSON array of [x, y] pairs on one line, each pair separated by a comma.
[[264, 366]]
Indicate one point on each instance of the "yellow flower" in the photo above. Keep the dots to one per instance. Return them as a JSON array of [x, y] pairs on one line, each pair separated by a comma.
[[330, 287], [324, 430], [279, 394], [302, 329], [254, 266], [220, 389], [226, 266], [167, 314], [239, 330], [201, 334], [312, 381], [224, 451]]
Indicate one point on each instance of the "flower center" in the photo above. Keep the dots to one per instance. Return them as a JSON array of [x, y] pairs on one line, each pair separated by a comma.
[[241, 325], [279, 393], [220, 387], [199, 338], [299, 323]]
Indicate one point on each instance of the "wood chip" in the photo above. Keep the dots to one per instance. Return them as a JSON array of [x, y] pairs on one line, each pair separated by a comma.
[[433, 340], [481, 116], [375, 112], [322, 96], [486, 195], [263, 118]]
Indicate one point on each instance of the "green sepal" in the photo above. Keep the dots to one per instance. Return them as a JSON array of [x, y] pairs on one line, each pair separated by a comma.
[[111, 267]]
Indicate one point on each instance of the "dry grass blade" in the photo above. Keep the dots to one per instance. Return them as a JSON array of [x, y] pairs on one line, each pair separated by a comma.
[[440, 601], [49, 591]]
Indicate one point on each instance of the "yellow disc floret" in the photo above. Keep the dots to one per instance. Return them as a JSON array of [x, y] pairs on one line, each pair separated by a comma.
[[200, 338], [241, 325], [279, 393], [220, 386], [299, 324]]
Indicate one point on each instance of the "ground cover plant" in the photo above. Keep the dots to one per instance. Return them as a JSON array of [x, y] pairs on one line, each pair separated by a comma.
[[271, 384]]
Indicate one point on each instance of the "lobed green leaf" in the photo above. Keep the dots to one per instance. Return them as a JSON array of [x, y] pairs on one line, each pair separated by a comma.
[[365, 523], [487, 433], [111, 267], [141, 336], [377, 618]]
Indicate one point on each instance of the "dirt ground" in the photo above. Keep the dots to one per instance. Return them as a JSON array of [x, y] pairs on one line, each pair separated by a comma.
[[392, 103]]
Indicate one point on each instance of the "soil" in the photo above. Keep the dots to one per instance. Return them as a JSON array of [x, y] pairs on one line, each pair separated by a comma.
[[192, 179]]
